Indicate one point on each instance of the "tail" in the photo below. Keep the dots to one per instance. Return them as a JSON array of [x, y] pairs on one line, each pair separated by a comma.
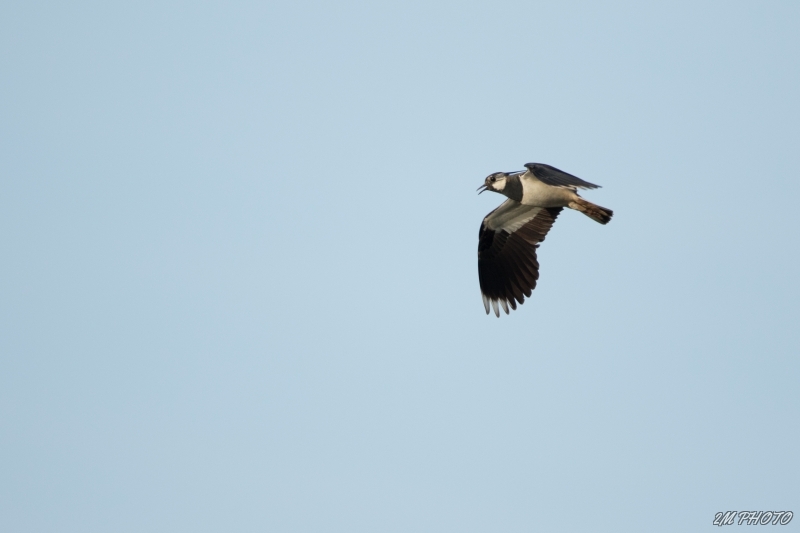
[[595, 212]]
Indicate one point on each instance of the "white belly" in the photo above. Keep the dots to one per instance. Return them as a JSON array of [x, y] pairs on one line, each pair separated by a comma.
[[538, 194]]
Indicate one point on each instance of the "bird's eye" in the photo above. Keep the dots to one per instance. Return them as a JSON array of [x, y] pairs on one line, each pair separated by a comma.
[[492, 178]]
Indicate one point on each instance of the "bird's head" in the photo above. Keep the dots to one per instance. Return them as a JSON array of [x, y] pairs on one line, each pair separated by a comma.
[[494, 182]]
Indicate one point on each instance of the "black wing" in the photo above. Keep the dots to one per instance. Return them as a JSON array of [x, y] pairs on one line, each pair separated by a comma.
[[558, 178], [507, 264]]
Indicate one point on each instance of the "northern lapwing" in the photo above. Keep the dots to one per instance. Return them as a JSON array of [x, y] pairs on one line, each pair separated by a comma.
[[509, 235]]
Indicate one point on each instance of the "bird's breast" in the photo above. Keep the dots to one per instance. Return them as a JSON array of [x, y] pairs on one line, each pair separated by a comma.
[[539, 194]]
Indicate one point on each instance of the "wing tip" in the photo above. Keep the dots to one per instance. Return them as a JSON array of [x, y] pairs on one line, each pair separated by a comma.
[[498, 304]]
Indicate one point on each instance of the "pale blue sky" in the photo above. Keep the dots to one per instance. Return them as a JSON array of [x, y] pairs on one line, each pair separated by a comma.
[[239, 287]]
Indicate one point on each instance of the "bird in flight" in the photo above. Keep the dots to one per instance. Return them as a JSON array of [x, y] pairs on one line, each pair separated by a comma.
[[509, 235]]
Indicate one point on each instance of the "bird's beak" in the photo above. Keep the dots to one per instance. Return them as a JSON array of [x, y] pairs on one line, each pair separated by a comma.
[[482, 188]]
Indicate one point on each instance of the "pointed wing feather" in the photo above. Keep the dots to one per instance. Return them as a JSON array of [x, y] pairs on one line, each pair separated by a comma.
[[558, 178]]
